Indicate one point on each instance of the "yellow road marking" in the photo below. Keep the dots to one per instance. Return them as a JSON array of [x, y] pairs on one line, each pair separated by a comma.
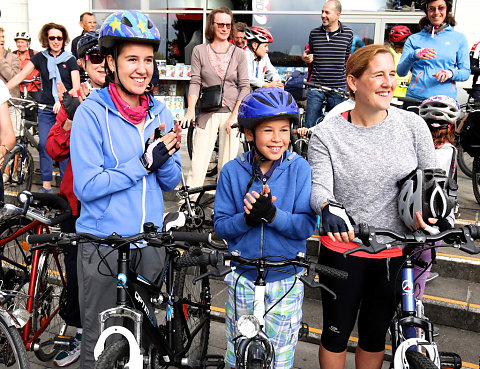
[[351, 338], [458, 256], [450, 301]]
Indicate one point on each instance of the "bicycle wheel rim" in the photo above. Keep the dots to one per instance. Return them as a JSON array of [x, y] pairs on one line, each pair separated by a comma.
[[12, 349]]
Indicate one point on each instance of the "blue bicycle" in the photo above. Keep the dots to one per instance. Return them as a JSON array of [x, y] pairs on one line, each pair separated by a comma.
[[413, 345]]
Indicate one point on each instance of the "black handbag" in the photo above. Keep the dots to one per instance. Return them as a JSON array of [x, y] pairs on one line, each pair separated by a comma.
[[211, 97]]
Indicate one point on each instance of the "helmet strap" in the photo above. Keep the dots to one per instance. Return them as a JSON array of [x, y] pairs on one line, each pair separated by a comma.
[[254, 50]]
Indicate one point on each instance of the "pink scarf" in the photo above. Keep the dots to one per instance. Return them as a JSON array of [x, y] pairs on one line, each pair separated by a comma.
[[134, 115]]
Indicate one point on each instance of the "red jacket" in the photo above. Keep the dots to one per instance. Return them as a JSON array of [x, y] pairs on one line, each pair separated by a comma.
[[58, 147]]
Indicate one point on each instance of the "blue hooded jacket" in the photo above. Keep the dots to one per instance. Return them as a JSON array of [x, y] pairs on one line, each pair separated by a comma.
[[294, 222], [115, 190], [452, 54]]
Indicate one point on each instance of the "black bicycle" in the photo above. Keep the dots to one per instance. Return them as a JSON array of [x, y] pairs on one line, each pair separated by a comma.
[[181, 339]]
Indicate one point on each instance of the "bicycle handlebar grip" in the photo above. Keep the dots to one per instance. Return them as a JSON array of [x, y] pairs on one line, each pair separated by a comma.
[[331, 272], [187, 261], [192, 237], [43, 238], [55, 202]]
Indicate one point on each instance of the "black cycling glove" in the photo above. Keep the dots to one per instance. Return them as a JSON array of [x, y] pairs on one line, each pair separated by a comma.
[[263, 211], [336, 219], [155, 155], [70, 104]]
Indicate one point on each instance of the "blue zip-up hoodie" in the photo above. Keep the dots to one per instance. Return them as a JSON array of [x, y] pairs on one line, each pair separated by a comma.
[[116, 193], [452, 54], [294, 222]]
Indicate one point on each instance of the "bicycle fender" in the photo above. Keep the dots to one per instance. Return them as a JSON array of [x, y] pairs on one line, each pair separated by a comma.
[[136, 358], [9, 319], [400, 359]]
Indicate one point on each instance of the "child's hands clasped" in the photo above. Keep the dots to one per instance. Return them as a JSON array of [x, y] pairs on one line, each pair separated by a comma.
[[158, 151], [259, 207]]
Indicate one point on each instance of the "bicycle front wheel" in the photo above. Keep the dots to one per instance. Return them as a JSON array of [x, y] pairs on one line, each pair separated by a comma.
[[191, 318], [465, 162], [46, 303], [12, 349], [417, 360], [476, 178], [213, 164], [18, 170], [114, 356]]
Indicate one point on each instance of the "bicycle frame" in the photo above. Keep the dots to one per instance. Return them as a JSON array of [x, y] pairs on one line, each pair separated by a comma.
[[131, 305], [411, 330]]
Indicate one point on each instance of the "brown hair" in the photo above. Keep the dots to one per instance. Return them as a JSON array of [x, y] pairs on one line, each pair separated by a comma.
[[450, 19], [358, 62], [84, 14], [209, 32], [440, 136], [43, 34], [240, 26]]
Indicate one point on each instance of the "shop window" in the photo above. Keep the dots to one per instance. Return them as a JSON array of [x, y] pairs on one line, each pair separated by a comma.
[[115, 4]]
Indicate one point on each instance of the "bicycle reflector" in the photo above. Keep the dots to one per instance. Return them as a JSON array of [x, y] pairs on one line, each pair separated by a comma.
[[248, 326]]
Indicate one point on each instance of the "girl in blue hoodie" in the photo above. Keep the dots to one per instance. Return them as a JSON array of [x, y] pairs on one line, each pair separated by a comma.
[[121, 162], [437, 55], [262, 208]]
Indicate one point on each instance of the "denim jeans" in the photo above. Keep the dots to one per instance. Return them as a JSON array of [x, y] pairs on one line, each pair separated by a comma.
[[46, 119], [316, 100]]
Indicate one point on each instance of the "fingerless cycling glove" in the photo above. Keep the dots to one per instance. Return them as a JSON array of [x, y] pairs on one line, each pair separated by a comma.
[[155, 155], [70, 104], [263, 211], [336, 219]]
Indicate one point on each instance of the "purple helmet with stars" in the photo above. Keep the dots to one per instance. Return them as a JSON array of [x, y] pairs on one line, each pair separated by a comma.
[[128, 25]]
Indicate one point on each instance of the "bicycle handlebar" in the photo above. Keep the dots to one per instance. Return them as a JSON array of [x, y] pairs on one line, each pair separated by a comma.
[[219, 260], [156, 239], [20, 103], [463, 238], [325, 88]]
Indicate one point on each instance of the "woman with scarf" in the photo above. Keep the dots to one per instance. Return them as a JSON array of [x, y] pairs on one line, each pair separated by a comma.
[[437, 55], [123, 148], [55, 65]]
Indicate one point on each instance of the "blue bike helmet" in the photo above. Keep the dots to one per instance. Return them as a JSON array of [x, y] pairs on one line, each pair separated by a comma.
[[264, 104], [127, 25], [87, 43]]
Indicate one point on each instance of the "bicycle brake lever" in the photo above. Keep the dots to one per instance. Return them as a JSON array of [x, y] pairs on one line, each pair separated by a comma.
[[369, 239], [309, 280]]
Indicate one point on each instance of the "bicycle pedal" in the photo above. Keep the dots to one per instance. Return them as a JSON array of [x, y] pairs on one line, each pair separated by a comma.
[[64, 343], [450, 360], [304, 330], [214, 361]]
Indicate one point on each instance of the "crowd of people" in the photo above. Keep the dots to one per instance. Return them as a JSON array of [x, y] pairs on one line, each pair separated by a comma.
[[118, 150]]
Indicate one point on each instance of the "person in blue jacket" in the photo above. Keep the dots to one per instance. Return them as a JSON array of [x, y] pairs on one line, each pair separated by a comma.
[[437, 55], [262, 209], [121, 162]]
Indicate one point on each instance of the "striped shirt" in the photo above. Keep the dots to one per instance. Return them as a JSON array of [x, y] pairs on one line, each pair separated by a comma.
[[330, 54]]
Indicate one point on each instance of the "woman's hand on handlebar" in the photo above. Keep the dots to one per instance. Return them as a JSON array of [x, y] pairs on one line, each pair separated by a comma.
[[232, 119], [337, 222], [188, 118]]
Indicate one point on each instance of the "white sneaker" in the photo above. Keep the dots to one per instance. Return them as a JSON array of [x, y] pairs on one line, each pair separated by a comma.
[[65, 358], [5, 177]]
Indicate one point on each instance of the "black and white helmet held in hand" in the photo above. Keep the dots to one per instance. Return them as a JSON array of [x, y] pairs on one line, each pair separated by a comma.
[[429, 191]]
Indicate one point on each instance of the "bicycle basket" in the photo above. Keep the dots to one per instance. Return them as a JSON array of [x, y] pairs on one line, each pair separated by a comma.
[[470, 134]]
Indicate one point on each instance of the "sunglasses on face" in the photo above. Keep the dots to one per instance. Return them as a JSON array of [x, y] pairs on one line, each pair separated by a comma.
[[95, 58], [441, 9], [52, 38], [223, 25]]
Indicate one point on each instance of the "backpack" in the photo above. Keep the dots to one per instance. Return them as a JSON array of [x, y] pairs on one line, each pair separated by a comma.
[[294, 85], [470, 134]]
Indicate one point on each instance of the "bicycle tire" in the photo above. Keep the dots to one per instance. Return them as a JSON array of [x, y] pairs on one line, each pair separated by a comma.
[[49, 285], [20, 175], [213, 165], [15, 277], [189, 317], [114, 356], [12, 349], [255, 364], [476, 178], [417, 360], [465, 162]]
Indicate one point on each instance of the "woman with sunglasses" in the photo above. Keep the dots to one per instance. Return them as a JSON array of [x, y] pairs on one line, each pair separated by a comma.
[[123, 148], [58, 147], [215, 63], [55, 65], [438, 56]]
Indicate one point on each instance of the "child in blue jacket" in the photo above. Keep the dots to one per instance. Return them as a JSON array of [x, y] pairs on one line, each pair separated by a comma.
[[262, 209]]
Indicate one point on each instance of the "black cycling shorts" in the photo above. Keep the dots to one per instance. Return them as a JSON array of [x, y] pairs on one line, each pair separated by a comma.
[[372, 291]]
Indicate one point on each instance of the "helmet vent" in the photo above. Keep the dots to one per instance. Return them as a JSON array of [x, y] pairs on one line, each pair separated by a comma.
[[273, 97], [263, 101], [126, 22], [149, 25]]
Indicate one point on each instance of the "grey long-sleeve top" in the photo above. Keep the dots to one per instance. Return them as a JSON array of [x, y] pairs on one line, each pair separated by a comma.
[[360, 166]]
